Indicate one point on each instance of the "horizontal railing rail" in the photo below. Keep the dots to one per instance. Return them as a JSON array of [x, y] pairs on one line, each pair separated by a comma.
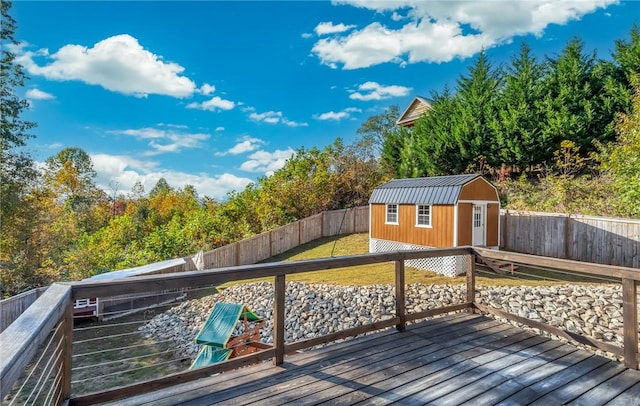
[[22, 339], [629, 279]]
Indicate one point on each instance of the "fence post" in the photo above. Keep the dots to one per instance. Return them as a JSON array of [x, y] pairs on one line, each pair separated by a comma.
[[567, 235], [67, 351], [278, 319], [630, 322], [400, 296], [471, 279]]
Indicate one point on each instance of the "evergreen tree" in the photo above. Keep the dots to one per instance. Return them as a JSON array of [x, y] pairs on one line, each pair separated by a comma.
[[433, 135], [570, 105], [476, 107], [516, 124]]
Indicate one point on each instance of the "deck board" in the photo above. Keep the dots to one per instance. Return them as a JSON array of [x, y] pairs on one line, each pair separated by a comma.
[[458, 359]]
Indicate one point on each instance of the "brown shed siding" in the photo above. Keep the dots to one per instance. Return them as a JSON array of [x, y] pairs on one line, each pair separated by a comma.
[[493, 219], [478, 189], [439, 235], [465, 211]]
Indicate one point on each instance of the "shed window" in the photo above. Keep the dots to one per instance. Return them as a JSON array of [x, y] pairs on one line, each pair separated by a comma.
[[392, 214], [423, 215]]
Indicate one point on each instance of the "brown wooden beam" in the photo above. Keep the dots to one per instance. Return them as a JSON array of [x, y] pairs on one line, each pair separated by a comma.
[[562, 264], [278, 319], [440, 310], [401, 309], [614, 349], [339, 335], [630, 322], [471, 279], [192, 279]]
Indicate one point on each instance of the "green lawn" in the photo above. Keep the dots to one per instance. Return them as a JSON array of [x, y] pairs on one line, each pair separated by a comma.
[[383, 273]]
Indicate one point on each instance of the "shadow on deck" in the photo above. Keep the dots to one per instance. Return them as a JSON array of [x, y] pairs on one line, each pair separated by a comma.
[[458, 359]]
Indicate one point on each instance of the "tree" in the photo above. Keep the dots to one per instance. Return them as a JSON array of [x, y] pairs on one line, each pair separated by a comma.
[[431, 149], [571, 104], [16, 166], [476, 94], [70, 174], [161, 187], [516, 124], [622, 159], [386, 137]]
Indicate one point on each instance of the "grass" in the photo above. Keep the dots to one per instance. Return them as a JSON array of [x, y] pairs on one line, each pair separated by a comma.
[[383, 273]]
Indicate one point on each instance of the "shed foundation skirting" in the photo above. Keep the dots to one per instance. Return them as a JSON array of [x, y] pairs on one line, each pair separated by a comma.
[[449, 266]]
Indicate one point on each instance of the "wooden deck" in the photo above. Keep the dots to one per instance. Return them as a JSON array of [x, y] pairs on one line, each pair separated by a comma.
[[458, 359]]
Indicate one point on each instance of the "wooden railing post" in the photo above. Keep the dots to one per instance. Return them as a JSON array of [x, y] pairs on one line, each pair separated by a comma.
[[67, 351], [630, 322], [278, 319], [400, 296], [471, 279]]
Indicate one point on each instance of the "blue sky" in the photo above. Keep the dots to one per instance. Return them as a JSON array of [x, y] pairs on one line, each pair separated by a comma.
[[216, 94]]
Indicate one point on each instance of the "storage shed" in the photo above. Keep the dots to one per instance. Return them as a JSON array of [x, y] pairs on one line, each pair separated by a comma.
[[434, 212]]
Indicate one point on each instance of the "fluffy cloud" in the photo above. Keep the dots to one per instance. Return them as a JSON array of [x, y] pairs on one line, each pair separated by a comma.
[[267, 162], [444, 30], [273, 117], [329, 28], [118, 64], [37, 94], [337, 116], [244, 145], [207, 89], [215, 103], [165, 141], [124, 171], [375, 91]]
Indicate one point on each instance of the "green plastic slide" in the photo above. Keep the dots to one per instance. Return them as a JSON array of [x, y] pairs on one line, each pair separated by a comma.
[[217, 330]]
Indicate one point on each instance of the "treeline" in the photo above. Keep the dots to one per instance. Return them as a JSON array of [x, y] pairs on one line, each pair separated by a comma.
[[66, 228], [516, 117]]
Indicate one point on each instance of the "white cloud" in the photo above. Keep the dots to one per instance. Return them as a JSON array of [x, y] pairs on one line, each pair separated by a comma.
[[207, 89], [337, 116], [124, 171], [273, 117], [118, 64], [37, 94], [245, 144], [443, 30], [215, 103], [307, 35], [220, 128], [375, 91], [328, 27], [165, 141], [267, 162]]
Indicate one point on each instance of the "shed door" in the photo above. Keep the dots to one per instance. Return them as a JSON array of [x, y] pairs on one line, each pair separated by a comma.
[[479, 221]]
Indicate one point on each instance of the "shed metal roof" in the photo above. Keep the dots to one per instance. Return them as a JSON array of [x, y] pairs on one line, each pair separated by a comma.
[[432, 190]]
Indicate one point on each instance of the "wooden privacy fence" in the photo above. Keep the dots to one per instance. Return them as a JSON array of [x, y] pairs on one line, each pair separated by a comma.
[[282, 239], [601, 240], [13, 307]]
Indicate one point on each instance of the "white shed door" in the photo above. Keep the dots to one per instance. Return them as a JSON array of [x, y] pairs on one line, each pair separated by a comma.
[[479, 217]]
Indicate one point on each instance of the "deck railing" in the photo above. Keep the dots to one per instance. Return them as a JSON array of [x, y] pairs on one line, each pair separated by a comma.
[[45, 331]]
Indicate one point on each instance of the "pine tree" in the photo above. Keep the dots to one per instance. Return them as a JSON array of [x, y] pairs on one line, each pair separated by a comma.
[[516, 124]]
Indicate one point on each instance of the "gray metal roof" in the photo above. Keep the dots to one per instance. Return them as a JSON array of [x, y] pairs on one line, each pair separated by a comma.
[[432, 190]]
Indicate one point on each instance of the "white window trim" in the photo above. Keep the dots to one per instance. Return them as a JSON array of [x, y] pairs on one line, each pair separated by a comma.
[[386, 214], [430, 216]]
